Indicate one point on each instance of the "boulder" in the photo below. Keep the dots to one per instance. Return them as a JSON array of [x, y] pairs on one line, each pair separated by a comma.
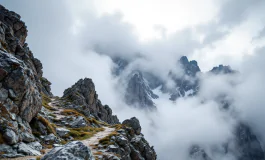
[[10, 136], [75, 150], [134, 123], [62, 131], [27, 150]]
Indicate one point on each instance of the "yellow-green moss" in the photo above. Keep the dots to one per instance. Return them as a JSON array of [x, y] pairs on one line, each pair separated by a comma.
[[106, 140], [117, 126], [72, 112], [83, 133]]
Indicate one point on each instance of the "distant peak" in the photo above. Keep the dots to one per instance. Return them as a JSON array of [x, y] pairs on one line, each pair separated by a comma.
[[221, 69]]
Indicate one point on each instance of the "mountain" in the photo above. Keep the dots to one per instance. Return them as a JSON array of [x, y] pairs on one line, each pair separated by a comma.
[[244, 146], [138, 93], [34, 124]]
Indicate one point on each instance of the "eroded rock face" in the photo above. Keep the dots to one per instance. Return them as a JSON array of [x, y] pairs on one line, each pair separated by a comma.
[[83, 98], [20, 85], [75, 150]]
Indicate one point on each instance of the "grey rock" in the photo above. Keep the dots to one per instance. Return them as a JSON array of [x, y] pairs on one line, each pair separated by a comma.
[[121, 140], [78, 122], [3, 94], [27, 150], [72, 151], [113, 148], [62, 131], [51, 138], [6, 149], [10, 136], [11, 94], [27, 137], [35, 145]]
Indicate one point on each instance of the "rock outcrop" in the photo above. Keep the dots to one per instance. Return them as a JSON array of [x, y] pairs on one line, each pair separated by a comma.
[[74, 150], [186, 84], [128, 142], [83, 97], [20, 85]]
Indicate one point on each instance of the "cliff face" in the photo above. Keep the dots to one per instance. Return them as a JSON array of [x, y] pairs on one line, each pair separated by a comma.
[[32, 120], [20, 85]]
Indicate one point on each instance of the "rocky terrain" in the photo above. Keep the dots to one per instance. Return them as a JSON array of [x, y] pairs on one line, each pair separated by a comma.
[[34, 124]]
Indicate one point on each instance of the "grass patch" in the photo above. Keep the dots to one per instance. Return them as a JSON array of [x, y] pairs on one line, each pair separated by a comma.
[[83, 133], [45, 101], [106, 140], [72, 112], [117, 126], [38, 158], [45, 122], [98, 153]]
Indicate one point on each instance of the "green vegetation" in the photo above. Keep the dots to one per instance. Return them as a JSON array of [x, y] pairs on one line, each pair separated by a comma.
[[106, 140], [83, 133], [117, 126], [72, 112], [45, 101]]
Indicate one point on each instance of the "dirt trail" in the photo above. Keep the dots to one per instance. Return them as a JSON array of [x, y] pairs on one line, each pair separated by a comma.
[[95, 139], [90, 142]]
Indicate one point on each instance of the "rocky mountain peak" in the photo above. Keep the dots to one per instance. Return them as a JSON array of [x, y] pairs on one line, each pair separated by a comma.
[[138, 92], [221, 69], [84, 98], [190, 68]]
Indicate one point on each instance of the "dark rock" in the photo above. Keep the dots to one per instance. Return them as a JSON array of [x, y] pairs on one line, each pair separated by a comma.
[[74, 150], [134, 123], [221, 69], [247, 144], [83, 95]]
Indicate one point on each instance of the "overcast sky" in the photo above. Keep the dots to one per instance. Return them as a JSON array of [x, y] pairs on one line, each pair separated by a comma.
[[75, 39]]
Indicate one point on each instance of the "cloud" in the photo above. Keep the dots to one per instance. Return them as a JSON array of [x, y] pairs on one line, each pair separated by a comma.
[[73, 42]]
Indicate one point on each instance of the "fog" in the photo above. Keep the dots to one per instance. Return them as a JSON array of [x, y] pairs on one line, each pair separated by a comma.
[[74, 41]]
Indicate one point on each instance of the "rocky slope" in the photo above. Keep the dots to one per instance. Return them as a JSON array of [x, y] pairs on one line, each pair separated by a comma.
[[35, 123]]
